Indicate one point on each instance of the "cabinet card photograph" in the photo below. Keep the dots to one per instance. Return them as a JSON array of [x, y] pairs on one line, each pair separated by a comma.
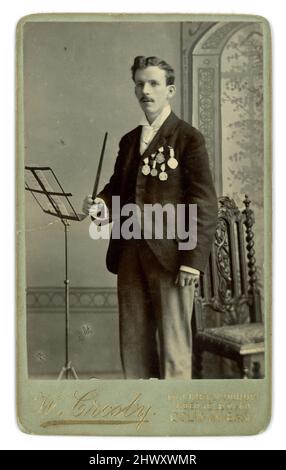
[[143, 224]]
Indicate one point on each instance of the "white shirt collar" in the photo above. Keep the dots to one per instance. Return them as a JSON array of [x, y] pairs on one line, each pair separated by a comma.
[[159, 119]]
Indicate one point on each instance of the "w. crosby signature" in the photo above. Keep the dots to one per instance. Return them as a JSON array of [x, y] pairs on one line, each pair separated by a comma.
[[88, 408]]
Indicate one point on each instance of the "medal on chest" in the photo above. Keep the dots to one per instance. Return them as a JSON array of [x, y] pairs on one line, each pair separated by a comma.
[[172, 161], [163, 176], [161, 159], [154, 171], [146, 168]]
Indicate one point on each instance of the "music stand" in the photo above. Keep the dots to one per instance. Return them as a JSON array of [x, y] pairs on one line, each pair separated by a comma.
[[52, 202]]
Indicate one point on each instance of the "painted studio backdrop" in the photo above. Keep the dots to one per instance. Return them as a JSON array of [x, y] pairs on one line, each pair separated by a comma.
[[77, 86]]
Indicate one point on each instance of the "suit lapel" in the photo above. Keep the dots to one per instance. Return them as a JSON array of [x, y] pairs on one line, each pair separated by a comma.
[[133, 145]]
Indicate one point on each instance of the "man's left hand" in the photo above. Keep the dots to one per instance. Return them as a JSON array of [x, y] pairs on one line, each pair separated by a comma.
[[186, 279]]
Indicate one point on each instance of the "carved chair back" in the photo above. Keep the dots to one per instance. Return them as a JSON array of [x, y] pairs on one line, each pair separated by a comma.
[[227, 294]]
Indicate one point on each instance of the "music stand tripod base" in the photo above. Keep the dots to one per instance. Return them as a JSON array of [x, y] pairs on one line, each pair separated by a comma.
[[68, 370]]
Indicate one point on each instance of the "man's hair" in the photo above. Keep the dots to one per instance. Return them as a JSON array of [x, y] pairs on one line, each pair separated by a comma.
[[142, 62]]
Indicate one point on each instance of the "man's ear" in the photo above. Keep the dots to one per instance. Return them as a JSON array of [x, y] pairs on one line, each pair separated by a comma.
[[171, 90]]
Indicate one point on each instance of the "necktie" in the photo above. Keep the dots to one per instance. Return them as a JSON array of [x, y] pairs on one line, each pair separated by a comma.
[[147, 135]]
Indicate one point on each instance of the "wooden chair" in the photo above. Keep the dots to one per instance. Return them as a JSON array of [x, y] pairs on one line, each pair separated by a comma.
[[227, 306]]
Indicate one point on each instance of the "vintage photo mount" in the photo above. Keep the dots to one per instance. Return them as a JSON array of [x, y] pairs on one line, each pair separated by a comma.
[[141, 407]]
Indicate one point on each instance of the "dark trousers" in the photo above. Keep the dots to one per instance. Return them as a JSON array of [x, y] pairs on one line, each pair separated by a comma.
[[154, 317]]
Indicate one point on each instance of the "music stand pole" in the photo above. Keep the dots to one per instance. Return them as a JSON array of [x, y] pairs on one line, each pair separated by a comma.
[[67, 368], [67, 298]]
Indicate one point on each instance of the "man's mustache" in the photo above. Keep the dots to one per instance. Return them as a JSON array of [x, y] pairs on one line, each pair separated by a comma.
[[145, 99]]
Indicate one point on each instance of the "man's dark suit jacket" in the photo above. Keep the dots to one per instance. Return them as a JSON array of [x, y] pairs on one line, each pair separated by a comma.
[[190, 183]]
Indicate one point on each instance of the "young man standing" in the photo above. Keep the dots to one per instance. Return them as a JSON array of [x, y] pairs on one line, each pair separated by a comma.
[[162, 161]]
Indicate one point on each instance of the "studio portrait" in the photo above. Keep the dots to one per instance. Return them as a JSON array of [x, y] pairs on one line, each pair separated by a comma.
[[144, 199]]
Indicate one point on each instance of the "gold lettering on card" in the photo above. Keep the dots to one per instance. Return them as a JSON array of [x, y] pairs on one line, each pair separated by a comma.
[[90, 408], [212, 408]]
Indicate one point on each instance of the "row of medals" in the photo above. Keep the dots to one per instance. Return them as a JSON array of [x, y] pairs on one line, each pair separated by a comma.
[[151, 162]]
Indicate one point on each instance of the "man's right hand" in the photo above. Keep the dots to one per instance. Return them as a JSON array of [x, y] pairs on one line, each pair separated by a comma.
[[96, 208]]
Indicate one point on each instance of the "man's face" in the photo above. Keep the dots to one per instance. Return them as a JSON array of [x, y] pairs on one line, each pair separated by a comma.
[[152, 91]]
